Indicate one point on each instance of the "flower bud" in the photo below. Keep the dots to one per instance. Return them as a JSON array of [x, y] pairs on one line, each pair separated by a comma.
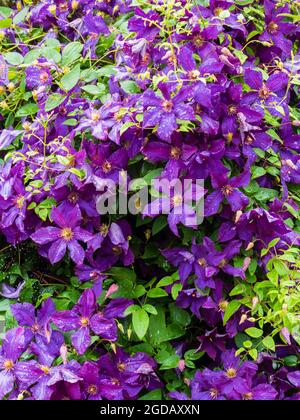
[[52, 9], [296, 123], [75, 5], [19, 6], [2, 35], [148, 234], [250, 246], [243, 319], [4, 105], [26, 126], [64, 353], [113, 289], [35, 94], [238, 215], [2, 90], [255, 301], [181, 365], [11, 87]]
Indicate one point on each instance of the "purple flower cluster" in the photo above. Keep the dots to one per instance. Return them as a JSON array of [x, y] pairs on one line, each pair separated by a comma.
[[183, 90]]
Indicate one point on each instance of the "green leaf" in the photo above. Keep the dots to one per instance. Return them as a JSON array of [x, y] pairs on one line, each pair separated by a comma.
[[253, 353], [5, 23], [266, 194], [71, 79], [257, 172], [150, 309], [54, 101], [231, 309], [239, 289], [157, 293], [131, 309], [175, 290], [280, 267], [269, 343], [94, 89], [122, 273], [71, 53], [273, 242], [140, 322], [20, 17], [14, 58], [28, 109], [159, 224], [165, 281], [155, 395], [254, 332], [129, 86]]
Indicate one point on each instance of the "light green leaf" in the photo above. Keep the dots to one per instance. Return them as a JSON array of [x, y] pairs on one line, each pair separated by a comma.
[[231, 309], [254, 332], [54, 101], [140, 322], [71, 79]]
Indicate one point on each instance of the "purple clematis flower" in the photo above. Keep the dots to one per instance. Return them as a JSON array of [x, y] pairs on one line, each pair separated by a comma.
[[164, 111], [38, 324], [14, 344], [84, 319], [66, 236], [266, 94], [227, 188], [123, 377]]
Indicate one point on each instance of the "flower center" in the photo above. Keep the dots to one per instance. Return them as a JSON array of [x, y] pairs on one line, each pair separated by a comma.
[[73, 198], [232, 110], [272, 28], [92, 389], [175, 153], [167, 106], [194, 74], [44, 77], [177, 200], [218, 11], [198, 40], [84, 321], [227, 190], [19, 202], [63, 7], [248, 396], [201, 262], [45, 369], [115, 381], [35, 328], [264, 92], [229, 137], [117, 250], [67, 234], [103, 229], [106, 167], [249, 139], [95, 116], [231, 373], [121, 367], [8, 364], [223, 305]]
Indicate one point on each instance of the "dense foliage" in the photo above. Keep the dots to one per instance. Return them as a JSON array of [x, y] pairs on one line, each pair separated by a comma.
[[145, 305]]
